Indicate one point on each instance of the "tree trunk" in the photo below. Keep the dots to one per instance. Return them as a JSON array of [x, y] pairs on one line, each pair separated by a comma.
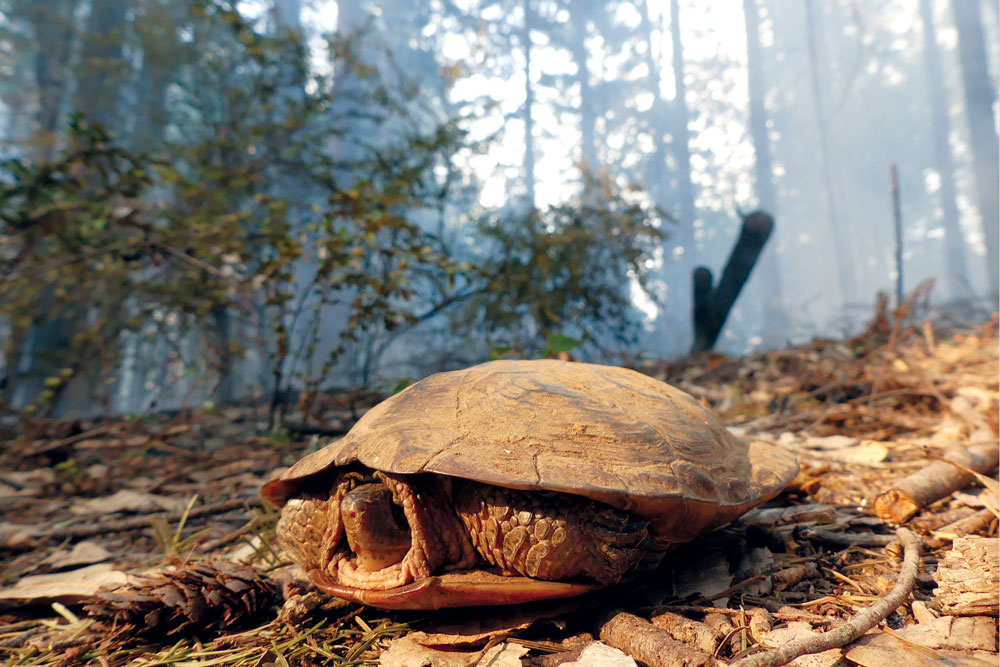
[[102, 68], [712, 304], [682, 253], [956, 283], [682, 153], [529, 100], [841, 244], [979, 98], [775, 319], [588, 152], [54, 28], [658, 117], [162, 54]]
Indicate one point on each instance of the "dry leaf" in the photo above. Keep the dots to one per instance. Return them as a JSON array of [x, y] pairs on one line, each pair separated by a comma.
[[802, 630], [73, 587], [706, 576], [127, 501], [884, 650], [19, 536], [599, 654], [958, 632], [830, 442], [82, 553], [503, 655], [404, 652], [28, 479]]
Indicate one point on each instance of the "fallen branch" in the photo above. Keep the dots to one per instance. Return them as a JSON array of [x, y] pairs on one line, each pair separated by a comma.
[[966, 526], [858, 624], [649, 644], [935, 481], [843, 539]]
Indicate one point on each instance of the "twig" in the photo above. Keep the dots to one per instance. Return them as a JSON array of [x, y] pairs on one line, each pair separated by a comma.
[[732, 589], [783, 614], [858, 624], [212, 545], [843, 539], [41, 447]]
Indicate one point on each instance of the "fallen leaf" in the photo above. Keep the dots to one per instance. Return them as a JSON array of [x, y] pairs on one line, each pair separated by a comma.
[[73, 587], [478, 630], [82, 553], [796, 630], [28, 478], [753, 561], [884, 650], [19, 536], [404, 652], [599, 654], [503, 655], [127, 501], [958, 632], [868, 452], [830, 442], [706, 576]]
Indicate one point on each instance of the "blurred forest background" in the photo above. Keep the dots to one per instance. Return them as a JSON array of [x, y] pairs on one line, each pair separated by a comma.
[[205, 201]]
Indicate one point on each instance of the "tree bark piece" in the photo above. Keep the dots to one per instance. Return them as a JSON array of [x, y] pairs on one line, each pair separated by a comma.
[[935, 481], [760, 623], [649, 644], [968, 577], [858, 624]]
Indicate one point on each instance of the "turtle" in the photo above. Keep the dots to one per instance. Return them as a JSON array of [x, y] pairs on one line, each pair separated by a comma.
[[513, 481]]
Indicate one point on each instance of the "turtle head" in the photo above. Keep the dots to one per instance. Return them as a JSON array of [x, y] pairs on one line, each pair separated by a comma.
[[376, 528]]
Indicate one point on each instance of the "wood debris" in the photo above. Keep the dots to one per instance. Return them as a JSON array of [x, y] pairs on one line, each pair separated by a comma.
[[968, 578], [936, 481], [866, 417]]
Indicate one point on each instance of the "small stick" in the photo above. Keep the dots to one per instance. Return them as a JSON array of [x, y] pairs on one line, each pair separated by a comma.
[[647, 643], [966, 526], [844, 539], [935, 481], [783, 614], [858, 624], [212, 545]]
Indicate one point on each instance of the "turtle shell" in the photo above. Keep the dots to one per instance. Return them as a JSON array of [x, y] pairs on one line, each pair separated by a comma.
[[606, 433]]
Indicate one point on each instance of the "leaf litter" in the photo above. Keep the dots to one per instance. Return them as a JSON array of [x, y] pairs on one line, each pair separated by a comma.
[[165, 508]]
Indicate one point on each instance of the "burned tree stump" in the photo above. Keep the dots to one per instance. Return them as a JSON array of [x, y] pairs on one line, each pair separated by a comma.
[[712, 304]]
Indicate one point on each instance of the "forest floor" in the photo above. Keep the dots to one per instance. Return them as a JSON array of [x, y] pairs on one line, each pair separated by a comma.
[[165, 507]]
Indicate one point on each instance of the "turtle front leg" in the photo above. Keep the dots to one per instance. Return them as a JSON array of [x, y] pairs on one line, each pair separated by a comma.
[[437, 539], [310, 529]]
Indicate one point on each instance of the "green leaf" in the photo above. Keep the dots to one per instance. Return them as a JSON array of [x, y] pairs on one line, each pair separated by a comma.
[[561, 343]]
